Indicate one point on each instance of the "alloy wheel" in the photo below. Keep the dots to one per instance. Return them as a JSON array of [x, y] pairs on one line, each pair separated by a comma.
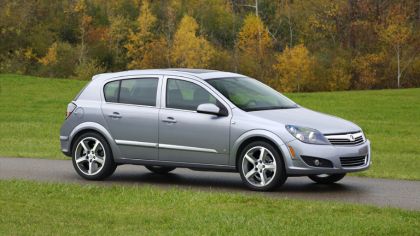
[[259, 166], [90, 156]]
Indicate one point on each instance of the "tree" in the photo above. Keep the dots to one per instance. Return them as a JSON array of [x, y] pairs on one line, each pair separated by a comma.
[[367, 68], [189, 49], [295, 69], [395, 33], [50, 57], [254, 46], [339, 75], [117, 36], [85, 21], [140, 43]]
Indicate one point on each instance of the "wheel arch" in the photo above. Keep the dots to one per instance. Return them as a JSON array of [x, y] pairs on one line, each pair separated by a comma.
[[96, 128], [258, 135]]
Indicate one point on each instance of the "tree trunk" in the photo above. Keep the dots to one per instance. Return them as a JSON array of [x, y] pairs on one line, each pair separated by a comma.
[[398, 66], [290, 25]]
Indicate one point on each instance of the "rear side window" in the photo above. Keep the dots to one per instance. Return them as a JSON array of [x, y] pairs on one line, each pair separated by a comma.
[[111, 91], [139, 91]]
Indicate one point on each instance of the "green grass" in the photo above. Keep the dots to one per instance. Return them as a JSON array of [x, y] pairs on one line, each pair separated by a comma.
[[32, 110], [31, 113], [29, 208]]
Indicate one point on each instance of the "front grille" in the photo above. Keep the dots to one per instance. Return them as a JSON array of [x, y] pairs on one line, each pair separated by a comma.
[[346, 139], [353, 161]]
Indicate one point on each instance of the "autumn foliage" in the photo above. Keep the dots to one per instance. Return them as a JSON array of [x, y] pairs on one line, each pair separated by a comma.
[[294, 45]]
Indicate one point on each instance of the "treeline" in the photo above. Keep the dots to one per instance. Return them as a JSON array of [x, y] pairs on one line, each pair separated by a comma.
[[293, 45]]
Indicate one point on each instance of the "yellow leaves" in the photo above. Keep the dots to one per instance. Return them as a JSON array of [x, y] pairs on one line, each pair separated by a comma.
[[142, 45], [254, 38], [154, 55], [190, 50], [146, 20], [255, 47], [366, 67], [295, 69], [29, 54], [395, 34], [80, 6], [395, 30], [339, 75], [50, 57]]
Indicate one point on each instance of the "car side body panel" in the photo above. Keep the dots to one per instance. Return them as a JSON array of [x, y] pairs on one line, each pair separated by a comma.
[[191, 142]]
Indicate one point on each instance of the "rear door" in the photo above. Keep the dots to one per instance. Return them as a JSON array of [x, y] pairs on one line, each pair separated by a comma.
[[131, 112]]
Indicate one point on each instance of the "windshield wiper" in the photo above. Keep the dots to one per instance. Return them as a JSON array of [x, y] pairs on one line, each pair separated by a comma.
[[269, 108]]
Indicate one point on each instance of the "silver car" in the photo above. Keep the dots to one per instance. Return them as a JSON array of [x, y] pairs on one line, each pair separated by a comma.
[[206, 120]]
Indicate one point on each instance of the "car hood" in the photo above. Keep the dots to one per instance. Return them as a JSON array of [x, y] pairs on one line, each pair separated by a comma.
[[326, 124]]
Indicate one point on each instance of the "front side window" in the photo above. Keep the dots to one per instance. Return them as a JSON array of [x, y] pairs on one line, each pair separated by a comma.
[[186, 95], [251, 95]]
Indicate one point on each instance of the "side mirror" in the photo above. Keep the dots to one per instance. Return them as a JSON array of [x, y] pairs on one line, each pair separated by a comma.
[[208, 108]]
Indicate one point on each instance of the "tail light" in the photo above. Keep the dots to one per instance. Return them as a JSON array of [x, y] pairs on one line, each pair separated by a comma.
[[70, 108]]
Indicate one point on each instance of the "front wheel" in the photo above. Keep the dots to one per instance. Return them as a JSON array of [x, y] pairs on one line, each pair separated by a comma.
[[160, 169], [261, 167], [326, 178]]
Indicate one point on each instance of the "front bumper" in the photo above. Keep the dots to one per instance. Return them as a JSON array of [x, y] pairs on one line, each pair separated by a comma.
[[297, 166]]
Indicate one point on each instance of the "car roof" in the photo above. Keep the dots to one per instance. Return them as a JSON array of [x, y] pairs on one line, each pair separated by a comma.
[[191, 73]]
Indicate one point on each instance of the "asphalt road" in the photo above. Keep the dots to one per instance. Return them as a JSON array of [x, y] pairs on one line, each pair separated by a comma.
[[379, 192]]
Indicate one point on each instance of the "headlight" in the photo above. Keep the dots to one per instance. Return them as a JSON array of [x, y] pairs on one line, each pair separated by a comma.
[[307, 135]]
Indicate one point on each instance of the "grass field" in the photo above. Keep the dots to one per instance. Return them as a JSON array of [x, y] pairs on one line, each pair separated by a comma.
[[32, 110], [29, 208]]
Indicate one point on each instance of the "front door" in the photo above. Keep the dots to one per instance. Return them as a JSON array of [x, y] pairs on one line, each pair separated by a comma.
[[185, 135], [132, 116]]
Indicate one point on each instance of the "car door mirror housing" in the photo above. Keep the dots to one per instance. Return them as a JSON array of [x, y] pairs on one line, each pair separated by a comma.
[[209, 108]]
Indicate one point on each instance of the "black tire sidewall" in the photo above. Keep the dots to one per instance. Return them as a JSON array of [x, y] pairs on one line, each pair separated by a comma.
[[330, 179], [109, 165], [280, 176], [160, 169]]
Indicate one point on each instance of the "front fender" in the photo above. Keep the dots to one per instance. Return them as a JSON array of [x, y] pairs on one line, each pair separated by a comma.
[[258, 133]]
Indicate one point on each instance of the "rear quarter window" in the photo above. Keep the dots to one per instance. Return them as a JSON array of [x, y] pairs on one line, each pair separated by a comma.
[[111, 91]]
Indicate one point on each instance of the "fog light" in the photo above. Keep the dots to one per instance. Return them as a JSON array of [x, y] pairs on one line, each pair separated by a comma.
[[292, 152], [316, 162]]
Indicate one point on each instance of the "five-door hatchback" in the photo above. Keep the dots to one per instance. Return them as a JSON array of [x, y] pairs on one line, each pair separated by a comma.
[[206, 120]]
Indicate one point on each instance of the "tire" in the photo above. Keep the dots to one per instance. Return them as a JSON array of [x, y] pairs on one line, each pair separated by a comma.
[[160, 169], [327, 179], [261, 172], [92, 157]]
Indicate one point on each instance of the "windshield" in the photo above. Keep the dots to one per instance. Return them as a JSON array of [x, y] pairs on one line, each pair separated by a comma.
[[250, 94]]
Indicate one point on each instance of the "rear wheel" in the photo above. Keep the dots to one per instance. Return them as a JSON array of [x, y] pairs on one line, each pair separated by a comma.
[[92, 157], [261, 167], [160, 169], [326, 178]]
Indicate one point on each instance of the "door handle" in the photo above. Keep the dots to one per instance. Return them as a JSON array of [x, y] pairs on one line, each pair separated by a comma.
[[115, 115], [169, 120]]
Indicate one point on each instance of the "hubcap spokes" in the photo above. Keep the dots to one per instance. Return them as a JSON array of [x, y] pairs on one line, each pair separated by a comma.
[[259, 166], [90, 156]]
